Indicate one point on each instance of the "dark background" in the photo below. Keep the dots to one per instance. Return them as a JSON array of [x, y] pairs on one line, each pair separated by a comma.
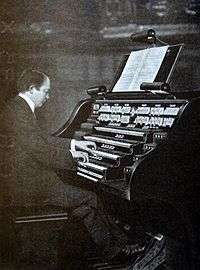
[[80, 44]]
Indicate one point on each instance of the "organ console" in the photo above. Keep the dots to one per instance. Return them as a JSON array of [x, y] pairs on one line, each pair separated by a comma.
[[136, 137], [125, 126], [125, 131]]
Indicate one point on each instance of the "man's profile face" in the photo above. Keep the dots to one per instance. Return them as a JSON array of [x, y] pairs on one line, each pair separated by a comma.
[[41, 94]]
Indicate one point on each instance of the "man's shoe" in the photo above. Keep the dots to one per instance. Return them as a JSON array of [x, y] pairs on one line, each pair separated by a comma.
[[137, 256], [153, 256], [128, 254]]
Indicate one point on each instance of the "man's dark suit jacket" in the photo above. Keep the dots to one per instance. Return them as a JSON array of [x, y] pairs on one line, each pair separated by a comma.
[[31, 160]]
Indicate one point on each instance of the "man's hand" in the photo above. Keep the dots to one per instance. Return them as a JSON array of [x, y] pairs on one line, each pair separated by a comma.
[[80, 156], [80, 150], [84, 146]]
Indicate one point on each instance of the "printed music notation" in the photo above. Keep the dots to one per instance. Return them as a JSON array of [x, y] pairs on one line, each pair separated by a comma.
[[141, 66]]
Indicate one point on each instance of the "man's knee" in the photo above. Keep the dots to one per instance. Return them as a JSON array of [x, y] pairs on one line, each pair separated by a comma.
[[92, 199]]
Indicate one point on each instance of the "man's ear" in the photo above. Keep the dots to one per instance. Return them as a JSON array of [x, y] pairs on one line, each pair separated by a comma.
[[31, 88]]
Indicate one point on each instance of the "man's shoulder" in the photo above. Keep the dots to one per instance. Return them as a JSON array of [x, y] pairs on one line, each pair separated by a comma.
[[15, 110], [12, 102], [16, 101], [17, 104]]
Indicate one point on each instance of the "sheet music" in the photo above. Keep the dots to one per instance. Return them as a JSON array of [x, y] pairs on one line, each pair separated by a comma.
[[141, 66]]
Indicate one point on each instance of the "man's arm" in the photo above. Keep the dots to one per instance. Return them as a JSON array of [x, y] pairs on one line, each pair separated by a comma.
[[49, 153], [30, 140]]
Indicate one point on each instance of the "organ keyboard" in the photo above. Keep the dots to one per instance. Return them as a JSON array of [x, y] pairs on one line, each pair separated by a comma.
[[124, 131]]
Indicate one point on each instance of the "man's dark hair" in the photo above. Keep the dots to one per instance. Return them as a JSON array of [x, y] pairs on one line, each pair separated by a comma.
[[30, 77]]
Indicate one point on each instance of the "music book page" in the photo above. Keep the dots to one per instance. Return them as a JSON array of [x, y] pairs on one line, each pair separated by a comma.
[[141, 66]]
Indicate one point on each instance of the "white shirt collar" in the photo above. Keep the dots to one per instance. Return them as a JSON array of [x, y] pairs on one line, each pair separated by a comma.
[[28, 101]]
